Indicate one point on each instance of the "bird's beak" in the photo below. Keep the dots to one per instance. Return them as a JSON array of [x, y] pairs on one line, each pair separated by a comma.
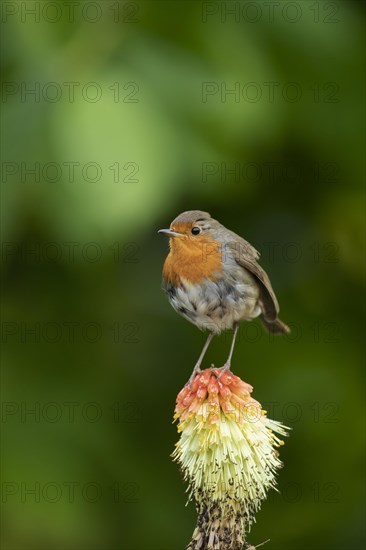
[[170, 233]]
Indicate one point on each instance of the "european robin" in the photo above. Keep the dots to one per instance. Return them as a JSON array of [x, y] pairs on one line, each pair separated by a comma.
[[212, 278]]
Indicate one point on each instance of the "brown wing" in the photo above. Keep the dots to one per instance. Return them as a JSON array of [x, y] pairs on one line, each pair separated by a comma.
[[246, 256]]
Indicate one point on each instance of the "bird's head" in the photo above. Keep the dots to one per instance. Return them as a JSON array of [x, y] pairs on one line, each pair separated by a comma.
[[191, 228]]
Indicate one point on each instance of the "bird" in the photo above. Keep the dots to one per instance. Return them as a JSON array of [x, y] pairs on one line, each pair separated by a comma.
[[212, 278]]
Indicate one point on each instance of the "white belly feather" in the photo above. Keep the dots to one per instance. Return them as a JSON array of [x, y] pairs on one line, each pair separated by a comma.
[[217, 305]]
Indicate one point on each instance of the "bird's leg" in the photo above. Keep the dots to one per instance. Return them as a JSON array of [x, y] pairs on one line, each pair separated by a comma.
[[197, 367], [227, 365]]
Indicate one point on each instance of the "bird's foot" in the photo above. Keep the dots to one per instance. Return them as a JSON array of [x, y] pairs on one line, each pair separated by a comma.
[[197, 369], [224, 368]]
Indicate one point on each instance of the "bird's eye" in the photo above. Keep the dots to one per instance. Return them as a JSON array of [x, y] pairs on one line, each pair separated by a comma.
[[195, 230]]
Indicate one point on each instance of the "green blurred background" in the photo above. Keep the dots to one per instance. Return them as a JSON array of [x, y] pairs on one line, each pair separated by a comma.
[[130, 122]]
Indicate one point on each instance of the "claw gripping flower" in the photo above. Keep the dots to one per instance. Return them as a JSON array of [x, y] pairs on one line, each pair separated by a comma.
[[227, 452]]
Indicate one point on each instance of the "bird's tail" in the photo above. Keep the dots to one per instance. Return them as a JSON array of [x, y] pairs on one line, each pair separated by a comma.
[[276, 327]]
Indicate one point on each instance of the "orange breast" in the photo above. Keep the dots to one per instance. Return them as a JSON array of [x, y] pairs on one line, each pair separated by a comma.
[[193, 260]]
